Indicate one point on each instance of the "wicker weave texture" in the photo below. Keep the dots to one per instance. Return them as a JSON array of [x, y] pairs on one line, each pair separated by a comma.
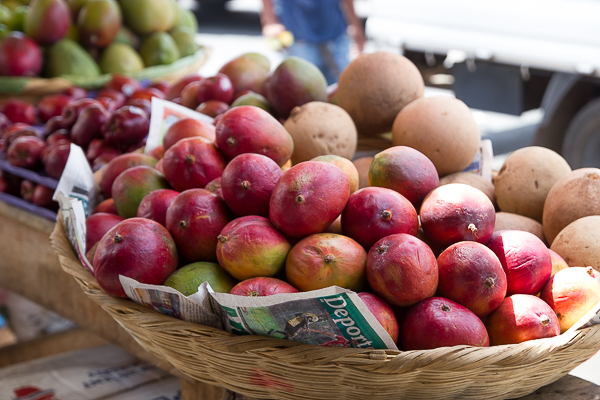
[[268, 368]]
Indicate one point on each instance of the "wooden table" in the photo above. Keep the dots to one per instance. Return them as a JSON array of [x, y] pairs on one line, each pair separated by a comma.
[[29, 267]]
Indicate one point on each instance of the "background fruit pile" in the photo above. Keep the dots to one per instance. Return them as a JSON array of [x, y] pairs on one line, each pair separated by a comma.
[[86, 38], [434, 260]]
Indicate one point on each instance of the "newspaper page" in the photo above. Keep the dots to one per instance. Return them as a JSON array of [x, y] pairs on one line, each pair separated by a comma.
[[591, 318], [164, 114], [75, 228], [165, 389], [482, 163], [196, 308], [88, 374], [327, 317]]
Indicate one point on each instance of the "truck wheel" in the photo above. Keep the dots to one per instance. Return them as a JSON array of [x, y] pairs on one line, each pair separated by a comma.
[[581, 144]]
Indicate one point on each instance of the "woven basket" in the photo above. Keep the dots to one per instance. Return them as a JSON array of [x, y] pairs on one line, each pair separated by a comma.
[[262, 367]]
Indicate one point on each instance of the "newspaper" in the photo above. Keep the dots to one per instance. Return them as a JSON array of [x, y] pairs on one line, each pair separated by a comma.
[[93, 373], [482, 163], [165, 389], [164, 114], [196, 308]]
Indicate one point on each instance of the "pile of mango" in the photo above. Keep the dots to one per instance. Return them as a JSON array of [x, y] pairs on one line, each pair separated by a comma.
[[87, 38]]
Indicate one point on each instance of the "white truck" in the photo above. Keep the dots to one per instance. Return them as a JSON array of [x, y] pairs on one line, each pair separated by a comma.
[[509, 56]]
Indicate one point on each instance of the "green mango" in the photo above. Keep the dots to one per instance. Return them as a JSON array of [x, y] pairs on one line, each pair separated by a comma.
[[17, 20], [119, 58], [98, 22], [73, 33], [4, 31], [148, 16], [66, 57], [159, 49], [5, 14], [187, 279], [185, 18], [126, 36], [184, 38], [253, 99], [12, 4]]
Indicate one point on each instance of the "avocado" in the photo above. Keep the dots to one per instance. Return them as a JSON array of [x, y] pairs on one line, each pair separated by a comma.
[[66, 57]]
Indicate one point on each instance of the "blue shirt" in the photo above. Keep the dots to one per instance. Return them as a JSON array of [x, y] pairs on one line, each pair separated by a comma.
[[315, 21]]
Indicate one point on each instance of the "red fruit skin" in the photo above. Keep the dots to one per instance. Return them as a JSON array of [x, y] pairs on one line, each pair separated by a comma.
[[456, 212], [126, 127], [158, 152], [52, 25], [187, 128], [326, 259], [88, 125], [56, 160], [195, 218], [373, 213], [52, 125], [146, 94], [262, 286], [52, 106], [51, 146], [19, 56], [308, 198], [132, 185], [106, 206], [519, 318], [405, 170], [154, 206], [14, 132], [402, 270], [189, 95], [18, 111], [120, 164], [9, 183], [471, 275], [218, 87], [212, 108], [124, 84], [439, 322], [72, 110], [249, 129], [75, 92], [525, 259], [248, 182], [96, 225], [137, 248], [571, 293], [25, 152], [42, 197], [163, 86], [383, 312], [175, 90], [192, 163], [159, 166], [117, 99], [4, 123], [27, 188], [61, 134], [97, 148], [144, 104], [215, 187]]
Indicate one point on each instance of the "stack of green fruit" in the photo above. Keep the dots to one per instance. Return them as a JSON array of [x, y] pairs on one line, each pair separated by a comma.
[[92, 37]]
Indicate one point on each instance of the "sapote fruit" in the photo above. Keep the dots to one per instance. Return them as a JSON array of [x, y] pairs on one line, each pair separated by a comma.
[[579, 242], [262, 286], [510, 221], [472, 275], [248, 129], [132, 185], [439, 322], [249, 247], [247, 183], [402, 270], [375, 87], [455, 212], [293, 83], [519, 318], [326, 259], [308, 198], [373, 213], [188, 278], [137, 248], [405, 170], [525, 259], [195, 218]]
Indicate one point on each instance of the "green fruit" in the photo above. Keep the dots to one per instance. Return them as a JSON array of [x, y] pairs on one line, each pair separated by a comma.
[[187, 279], [98, 22], [47, 21], [184, 38], [159, 49], [126, 36], [75, 6], [12, 4], [5, 14], [4, 31], [185, 18], [119, 58], [66, 57], [253, 99], [148, 16], [73, 33], [17, 19]]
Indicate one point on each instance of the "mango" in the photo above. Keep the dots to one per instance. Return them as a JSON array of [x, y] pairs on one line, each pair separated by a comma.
[[98, 22], [66, 57], [47, 21], [184, 38], [119, 58], [159, 49], [148, 16]]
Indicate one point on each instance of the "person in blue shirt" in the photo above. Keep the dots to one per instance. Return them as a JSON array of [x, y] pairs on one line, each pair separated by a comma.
[[321, 29]]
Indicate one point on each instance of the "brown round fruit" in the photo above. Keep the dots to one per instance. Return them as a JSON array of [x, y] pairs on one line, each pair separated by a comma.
[[471, 179], [579, 242]]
